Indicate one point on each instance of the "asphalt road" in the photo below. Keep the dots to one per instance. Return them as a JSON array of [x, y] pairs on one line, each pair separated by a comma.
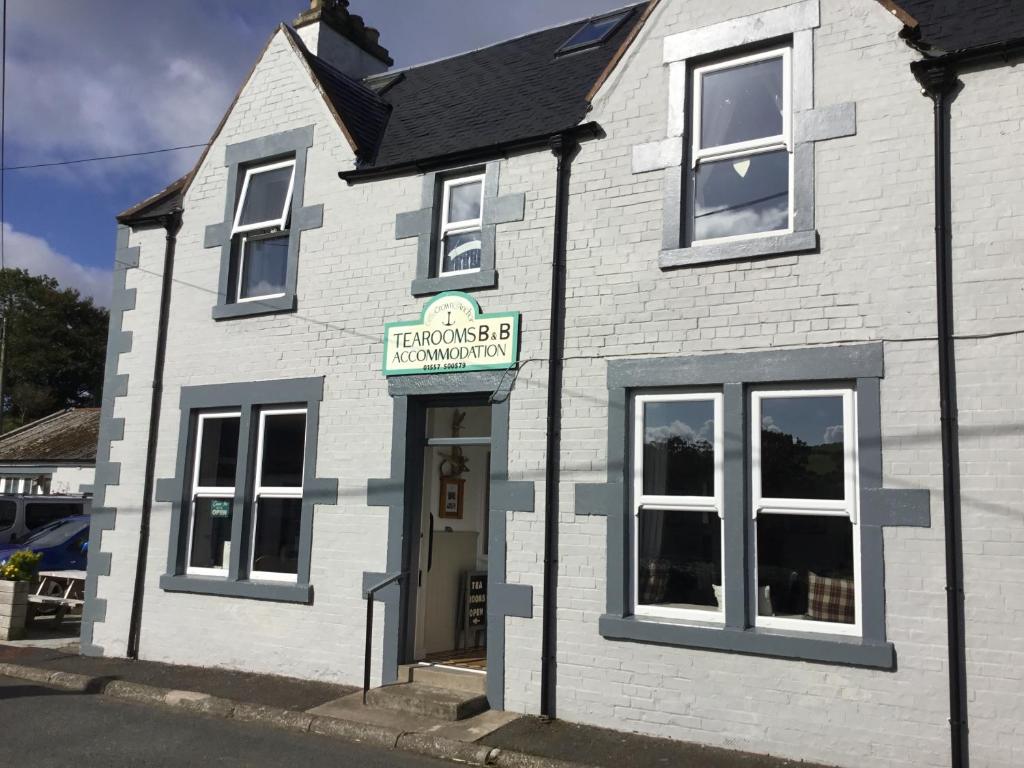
[[45, 727]]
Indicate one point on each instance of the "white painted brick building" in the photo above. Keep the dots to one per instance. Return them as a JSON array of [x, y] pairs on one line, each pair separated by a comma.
[[687, 602]]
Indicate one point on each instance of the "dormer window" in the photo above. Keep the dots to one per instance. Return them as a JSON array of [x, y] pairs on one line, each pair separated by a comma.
[[261, 227], [461, 225]]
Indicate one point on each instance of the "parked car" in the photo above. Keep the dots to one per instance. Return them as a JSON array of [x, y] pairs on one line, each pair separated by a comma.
[[64, 545], [22, 516]]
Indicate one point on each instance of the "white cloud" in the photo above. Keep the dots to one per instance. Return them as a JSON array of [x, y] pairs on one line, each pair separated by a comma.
[[768, 424], [37, 257], [833, 434], [682, 430]]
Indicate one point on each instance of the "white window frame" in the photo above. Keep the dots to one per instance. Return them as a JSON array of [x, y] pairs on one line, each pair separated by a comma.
[[847, 507], [207, 492], [280, 223], [678, 504], [241, 273], [273, 492], [448, 228], [738, 150]]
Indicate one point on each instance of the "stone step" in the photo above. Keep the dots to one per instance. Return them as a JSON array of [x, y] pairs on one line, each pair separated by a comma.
[[427, 701], [437, 677]]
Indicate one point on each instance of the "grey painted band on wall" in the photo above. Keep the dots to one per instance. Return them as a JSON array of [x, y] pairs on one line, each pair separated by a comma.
[[248, 398], [108, 473], [424, 224], [879, 507], [401, 494], [295, 143]]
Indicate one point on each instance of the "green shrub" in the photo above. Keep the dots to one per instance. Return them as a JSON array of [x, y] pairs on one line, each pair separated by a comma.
[[21, 566]]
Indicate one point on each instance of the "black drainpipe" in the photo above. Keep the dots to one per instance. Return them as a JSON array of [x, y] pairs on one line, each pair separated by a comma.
[[172, 223], [564, 147], [941, 85]]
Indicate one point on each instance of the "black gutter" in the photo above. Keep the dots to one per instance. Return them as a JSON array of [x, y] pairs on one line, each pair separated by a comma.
[[938, 78], [582, 132], [564, 147], [172, 223]]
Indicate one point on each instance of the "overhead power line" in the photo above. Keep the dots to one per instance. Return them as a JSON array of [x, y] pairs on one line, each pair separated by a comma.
[[104, 157]]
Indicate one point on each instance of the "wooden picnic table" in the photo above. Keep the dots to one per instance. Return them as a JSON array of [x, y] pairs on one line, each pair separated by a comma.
[[64, 590]]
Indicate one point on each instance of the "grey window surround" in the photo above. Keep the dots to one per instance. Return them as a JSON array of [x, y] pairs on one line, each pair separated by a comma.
[[795, 22], [424, 224], [860, 365], [237, 158], [400, 494], [249, 398]]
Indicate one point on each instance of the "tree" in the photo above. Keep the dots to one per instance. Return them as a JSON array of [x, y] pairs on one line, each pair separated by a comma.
[[56, 347]]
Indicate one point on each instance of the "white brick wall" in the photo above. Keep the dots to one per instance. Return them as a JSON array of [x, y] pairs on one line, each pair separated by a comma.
[[873, 280], [353, 276], [988, 221]]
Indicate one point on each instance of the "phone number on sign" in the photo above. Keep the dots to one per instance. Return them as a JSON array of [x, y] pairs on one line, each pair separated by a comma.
[[445, 367]]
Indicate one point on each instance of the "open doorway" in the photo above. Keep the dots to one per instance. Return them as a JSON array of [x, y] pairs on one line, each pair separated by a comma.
[[451, 599]]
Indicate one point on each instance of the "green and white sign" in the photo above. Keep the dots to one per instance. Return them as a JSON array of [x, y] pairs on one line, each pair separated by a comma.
[[220, 508], [451, 336]]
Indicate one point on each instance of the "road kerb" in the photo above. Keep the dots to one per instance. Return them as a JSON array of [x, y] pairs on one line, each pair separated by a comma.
[[415, 742]]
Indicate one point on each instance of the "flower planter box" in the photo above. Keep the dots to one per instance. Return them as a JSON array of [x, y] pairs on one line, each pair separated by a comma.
[[13, 609]]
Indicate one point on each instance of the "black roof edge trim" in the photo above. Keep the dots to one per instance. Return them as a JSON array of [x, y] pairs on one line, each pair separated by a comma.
[[967, 56], [583, 132], [157, 220]]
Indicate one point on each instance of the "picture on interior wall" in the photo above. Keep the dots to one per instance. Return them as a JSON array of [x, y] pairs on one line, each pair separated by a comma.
[[452, 492]]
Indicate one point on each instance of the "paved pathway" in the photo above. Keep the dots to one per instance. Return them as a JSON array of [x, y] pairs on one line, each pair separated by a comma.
[[46, 728]]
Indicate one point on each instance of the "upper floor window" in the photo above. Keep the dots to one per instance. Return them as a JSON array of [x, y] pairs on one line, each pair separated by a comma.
[[742, 152], [461, 227], [261, 227], [594, 32]]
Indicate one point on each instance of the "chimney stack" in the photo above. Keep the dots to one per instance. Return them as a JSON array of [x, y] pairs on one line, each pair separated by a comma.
[[341, 39]]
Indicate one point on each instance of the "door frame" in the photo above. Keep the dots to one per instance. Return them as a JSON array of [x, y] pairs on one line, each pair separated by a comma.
[[402, 494]]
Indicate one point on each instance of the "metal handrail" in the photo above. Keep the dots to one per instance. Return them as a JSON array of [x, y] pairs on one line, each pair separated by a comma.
[[387, 582]]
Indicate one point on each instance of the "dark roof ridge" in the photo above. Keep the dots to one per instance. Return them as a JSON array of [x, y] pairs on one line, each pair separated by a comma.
[[505, 41]]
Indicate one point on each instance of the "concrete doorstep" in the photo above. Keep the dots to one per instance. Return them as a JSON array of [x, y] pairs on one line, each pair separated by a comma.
[[439, 740]]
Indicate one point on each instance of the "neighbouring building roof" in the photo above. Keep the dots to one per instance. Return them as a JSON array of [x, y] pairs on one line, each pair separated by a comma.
[[162, 203], [954, 25], [67, 437]]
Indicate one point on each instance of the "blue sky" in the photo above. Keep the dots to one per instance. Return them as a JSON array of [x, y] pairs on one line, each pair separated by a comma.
[[107, 77]]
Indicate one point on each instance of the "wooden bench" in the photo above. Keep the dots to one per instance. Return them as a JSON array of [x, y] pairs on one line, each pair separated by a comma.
[[64, 590]]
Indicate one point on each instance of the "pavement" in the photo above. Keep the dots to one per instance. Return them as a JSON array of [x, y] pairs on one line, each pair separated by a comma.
[[50, 728], [310, 710]]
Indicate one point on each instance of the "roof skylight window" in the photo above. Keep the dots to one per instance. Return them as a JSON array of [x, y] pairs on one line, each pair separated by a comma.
[[594, 32]]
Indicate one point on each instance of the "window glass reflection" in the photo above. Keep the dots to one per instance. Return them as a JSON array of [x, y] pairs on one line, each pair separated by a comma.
[[802, 448], [742, 103], [680, 559], [679, 448], [805, 567], [741, 196]]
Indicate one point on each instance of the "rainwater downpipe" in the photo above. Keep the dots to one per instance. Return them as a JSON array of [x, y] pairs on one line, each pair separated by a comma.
[[564, 147], [940, 83], [172, 224]]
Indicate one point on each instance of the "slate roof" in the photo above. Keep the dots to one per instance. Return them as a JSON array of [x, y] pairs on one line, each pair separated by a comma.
[[953, 25], [68, 436], [508, 92], [165, 201]]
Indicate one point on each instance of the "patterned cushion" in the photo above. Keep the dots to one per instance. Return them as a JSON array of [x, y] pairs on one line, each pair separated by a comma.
[[830, 599]]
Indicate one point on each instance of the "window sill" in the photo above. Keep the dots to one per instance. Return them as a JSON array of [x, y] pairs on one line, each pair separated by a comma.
[[278, 592], [255, 308], [829, 649], [756, 247], [485, 278]]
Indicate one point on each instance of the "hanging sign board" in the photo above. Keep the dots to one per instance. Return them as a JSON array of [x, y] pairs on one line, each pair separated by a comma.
[[220, 508], [451, 336]]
